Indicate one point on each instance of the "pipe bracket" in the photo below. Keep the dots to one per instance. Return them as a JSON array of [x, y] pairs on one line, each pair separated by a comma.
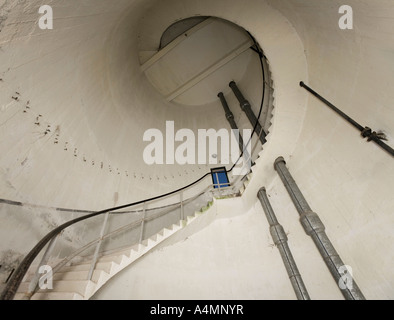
[[311, 222], [278, 234]]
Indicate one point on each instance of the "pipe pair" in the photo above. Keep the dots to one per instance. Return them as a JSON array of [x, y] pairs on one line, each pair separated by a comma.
[[315, 228]]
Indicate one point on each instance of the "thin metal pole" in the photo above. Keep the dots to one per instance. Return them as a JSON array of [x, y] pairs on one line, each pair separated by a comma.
[[218, 184], [281, 241], [247, 108], [98, 246], [315, 228], [143, 223], [182, 208], [366, 132]]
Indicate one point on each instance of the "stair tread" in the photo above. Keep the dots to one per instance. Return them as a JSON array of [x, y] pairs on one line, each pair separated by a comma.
[[77, 286], [104, 265], [77, 275], [52, 296], [71, 280]]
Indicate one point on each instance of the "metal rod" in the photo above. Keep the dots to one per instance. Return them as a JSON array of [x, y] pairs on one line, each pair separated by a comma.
[[247, 108], [218, 184], [10, 275], [143, 223], [315, 228], [281, 242], [96, 253], [182, 207], [366, 132]]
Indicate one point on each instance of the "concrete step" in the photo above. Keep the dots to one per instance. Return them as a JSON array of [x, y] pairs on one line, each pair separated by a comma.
[[81, 287], [106, 266], [71, 283], [166, 232], [112, 258], [190, 219], [77, 275], [149, 243], [52, 296]]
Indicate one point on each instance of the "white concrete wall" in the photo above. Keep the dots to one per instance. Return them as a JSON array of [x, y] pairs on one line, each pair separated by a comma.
[[83, 82], [347, 180], [226, 254], [84, 78]]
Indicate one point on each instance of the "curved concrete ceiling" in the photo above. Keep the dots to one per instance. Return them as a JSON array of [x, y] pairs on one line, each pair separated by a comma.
[[74, 105], [195, 66], [83, 81]]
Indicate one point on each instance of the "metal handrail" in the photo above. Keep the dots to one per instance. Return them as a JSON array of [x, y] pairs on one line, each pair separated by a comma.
[[15, 280], [133, 225]]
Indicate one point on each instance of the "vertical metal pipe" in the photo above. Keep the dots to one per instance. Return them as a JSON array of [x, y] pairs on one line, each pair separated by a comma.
[[281, 241], [230, 119], [247, 108], [234, 127], [315, 228]]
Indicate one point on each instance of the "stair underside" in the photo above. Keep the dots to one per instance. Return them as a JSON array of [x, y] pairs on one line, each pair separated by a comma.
[[71, 283]]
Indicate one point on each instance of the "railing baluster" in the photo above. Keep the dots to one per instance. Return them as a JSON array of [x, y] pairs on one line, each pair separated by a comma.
[[219, 184], [98, 246], [143, 223], [182, 208], [15, 280]]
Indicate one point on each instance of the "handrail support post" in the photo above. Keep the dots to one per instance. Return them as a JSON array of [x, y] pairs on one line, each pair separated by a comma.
[[98, 246]]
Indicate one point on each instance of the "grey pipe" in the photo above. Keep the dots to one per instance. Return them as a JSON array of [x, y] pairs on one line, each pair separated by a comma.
[[230, 119], [281, 241], [247, 108], [315, 228], [233, 125]]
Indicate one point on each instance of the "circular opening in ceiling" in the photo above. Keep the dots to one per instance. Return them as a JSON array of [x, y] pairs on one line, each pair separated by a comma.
[[178, 28], [198, 57]]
